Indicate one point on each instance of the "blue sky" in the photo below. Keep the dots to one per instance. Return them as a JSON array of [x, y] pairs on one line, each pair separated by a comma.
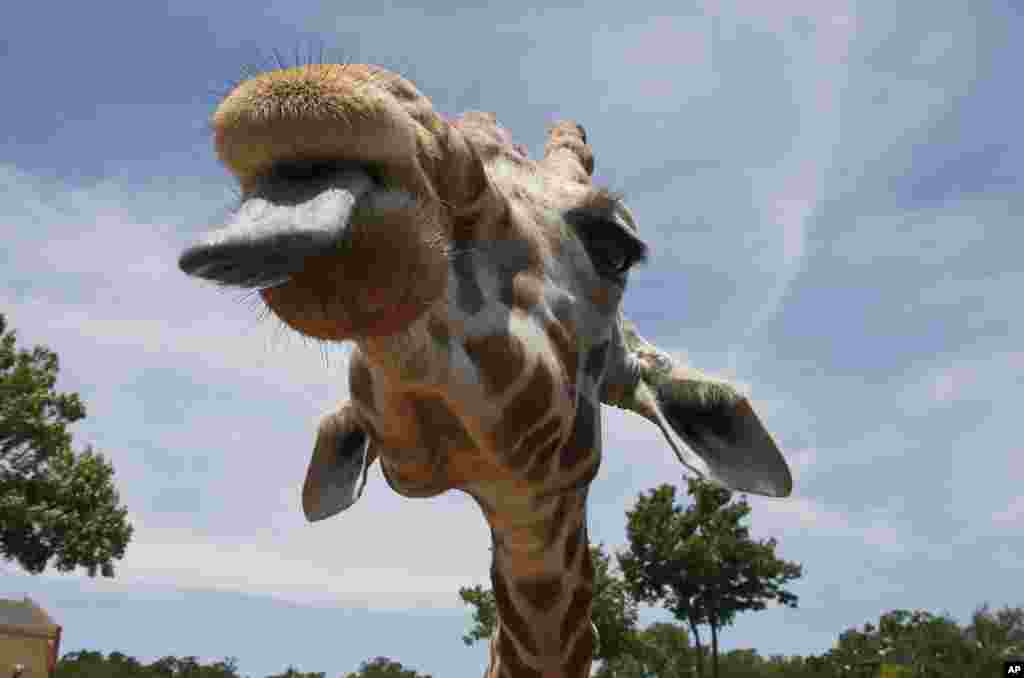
[[828, 191]]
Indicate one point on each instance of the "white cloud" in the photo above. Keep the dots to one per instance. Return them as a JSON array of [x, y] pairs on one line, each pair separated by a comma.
[[961, 378], [747, 139], [801, 463], [946, 385], [874, 532], [768, 192], [386, 552], [634, 447], [659, 54], [1012, 515], [778, 109], [1008, 559], [113, 290], [933, 236]]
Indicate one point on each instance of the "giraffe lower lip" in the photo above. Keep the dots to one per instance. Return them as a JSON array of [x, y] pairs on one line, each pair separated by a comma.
[[276, 229]]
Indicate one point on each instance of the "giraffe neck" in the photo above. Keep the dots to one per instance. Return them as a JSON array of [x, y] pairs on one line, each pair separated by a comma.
[[544, 598], [529, 399]]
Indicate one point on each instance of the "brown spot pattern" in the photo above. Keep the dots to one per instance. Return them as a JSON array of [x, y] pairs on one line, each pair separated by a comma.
[[541, 464], [581, 441], [593, 367], [439, 332], [540, 592], [364, 94], [500, 359], [587, 476], [530, 445], [578, 665], [565, 346], [523, 291], [557, 521], [468, 295], [529, 407], [568, 135], [603, 299], [464, 230], [511, 620], [572, 546], [361, 384], [512, 665], [439, 428], [587, 566], [612, 392], [576, 614]]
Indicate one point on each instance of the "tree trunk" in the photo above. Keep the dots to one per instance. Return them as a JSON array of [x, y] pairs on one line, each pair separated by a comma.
[[699, 657], [714, 649]]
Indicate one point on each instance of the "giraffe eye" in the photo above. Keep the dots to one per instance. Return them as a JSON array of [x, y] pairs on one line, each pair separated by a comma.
[[612, 247], [608, 257]]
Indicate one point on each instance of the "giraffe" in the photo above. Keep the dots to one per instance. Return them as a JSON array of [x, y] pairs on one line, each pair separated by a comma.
[[482, 292]]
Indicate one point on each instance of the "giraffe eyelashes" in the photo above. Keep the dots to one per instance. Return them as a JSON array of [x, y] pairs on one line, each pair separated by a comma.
[[612, 247], [608, 257]]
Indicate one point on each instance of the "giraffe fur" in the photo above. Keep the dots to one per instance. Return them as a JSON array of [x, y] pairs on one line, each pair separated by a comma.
[[482, 290]]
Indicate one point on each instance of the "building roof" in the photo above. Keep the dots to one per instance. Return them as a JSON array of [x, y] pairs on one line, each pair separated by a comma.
[[23, 613]]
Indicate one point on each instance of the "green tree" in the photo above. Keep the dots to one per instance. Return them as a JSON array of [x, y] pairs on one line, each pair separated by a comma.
[[996, 636], [661, 650], [814, 667], [54, 504], [382, 667], [922, 643], [485, 613], [623, 666], [89, 664], [701, 563], [228, 668], [935, 644], [856, 648], [746, 663], [173, 667], [190, 667], [614, 613], [292, 672], [796, 667]]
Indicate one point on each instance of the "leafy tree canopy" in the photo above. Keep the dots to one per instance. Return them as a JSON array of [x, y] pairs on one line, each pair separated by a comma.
[[912, 643], [661, 650], [701, 563], [382, 667], [88, 664], [292, 672], [55, 505], [614, 613], [934, 645]]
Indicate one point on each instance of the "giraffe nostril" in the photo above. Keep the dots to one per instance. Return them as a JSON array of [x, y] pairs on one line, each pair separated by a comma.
[[279, 227], [304, 171]]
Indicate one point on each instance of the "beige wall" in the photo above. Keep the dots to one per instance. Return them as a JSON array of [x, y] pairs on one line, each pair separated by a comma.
[[34, 653]]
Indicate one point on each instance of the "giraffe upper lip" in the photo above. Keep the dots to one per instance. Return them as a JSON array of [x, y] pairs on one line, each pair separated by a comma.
[[284, 221]]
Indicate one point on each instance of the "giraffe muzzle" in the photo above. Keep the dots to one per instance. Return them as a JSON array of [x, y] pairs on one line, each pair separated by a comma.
[[284, 221]]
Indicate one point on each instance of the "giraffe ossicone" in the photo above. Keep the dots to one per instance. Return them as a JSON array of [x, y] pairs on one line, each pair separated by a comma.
[[482, 290]]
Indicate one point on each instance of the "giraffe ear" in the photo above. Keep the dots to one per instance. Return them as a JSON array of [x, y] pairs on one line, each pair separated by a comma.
[[337, 471], [711, 427], [720, 430]]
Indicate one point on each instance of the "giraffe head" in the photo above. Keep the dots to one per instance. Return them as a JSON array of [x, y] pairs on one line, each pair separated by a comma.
[[482, 290]]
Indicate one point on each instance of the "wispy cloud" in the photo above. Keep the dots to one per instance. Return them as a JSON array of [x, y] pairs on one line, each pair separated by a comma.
[[350, 569], [1013, 514], [826, 187], [966, 378]]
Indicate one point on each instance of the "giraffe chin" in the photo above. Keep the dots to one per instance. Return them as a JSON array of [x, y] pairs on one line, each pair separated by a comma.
[[350, 326]]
